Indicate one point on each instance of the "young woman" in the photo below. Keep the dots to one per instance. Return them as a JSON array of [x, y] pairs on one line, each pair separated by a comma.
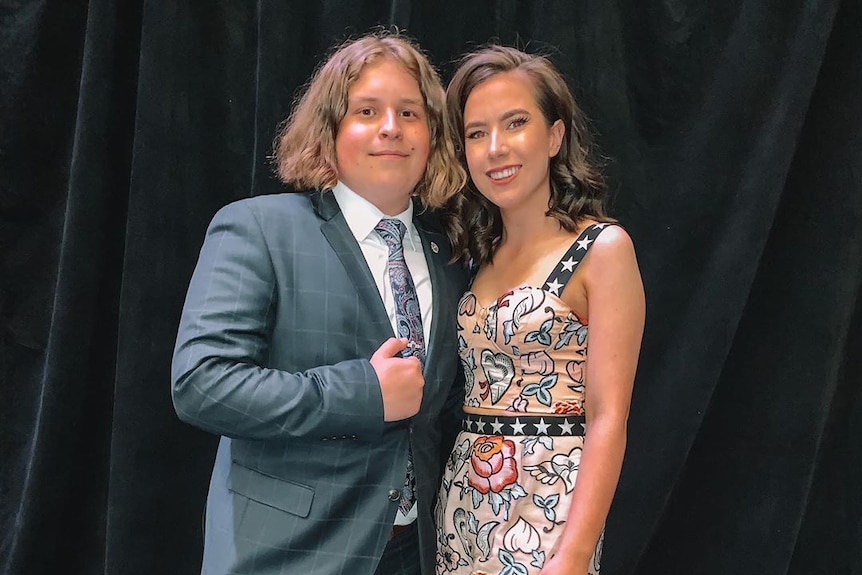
[[530, 480]]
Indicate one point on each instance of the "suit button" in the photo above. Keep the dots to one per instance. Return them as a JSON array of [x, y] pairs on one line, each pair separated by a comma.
[[394, 495]]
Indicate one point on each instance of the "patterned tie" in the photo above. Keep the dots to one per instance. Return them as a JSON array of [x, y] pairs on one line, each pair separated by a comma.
[[408, 320]]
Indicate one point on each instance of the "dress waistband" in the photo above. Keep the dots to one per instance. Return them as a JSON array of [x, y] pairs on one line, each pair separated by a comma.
[[551, 425]]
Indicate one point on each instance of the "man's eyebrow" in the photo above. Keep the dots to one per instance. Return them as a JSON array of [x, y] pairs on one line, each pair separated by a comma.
[[374, 100]]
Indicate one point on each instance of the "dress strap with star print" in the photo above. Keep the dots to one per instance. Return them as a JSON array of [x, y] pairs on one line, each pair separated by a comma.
[[570, 261]]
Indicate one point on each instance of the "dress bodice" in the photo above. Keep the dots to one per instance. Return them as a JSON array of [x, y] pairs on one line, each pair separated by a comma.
[[526, 352]]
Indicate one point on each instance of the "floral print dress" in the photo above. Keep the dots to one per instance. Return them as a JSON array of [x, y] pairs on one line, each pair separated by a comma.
[[508, 483]]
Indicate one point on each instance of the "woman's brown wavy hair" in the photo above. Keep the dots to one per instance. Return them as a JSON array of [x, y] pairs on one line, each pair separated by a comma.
[[473, 223], [305, 145]]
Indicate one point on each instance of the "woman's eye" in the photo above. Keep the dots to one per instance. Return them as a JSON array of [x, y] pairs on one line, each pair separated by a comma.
[[517, 122], [475, 134]]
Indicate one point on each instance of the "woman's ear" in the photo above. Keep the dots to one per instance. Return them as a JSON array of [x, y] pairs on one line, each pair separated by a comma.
[[558, 130]]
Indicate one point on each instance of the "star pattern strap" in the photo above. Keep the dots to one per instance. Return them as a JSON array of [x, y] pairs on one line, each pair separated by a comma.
[[565, 269], [509, 425]]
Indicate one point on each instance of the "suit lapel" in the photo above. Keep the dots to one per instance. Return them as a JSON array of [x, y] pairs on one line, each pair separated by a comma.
[[339, 236], [434, 244]]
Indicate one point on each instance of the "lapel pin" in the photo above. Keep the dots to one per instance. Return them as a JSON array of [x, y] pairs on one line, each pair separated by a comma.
[[434, 247]]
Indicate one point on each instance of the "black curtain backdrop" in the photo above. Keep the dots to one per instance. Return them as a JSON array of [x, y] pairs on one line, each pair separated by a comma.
[[733, 131]]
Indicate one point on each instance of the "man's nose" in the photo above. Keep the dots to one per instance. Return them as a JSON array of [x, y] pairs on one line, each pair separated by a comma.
[[390, 125]]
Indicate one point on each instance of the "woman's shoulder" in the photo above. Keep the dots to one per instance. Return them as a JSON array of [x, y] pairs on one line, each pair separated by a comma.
[[610, 238], [612, 258]]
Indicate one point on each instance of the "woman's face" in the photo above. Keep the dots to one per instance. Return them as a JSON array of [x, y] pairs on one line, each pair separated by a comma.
[[508, 143]]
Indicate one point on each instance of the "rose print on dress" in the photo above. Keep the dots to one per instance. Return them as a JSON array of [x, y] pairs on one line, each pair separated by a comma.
[[493, 464], [493, 471]]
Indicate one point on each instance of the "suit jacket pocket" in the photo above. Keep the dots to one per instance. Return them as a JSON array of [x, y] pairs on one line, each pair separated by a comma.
[[282, 494]]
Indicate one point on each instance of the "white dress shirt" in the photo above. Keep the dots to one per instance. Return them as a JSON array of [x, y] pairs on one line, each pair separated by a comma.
[[362, 216]]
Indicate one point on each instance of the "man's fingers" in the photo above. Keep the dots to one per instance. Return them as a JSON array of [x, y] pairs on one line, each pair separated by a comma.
[[390, 348]]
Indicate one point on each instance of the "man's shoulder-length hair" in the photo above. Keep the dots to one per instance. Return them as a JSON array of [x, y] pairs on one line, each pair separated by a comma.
[[304, 152]]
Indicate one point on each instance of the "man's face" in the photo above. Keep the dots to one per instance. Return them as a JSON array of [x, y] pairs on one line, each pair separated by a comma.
[[383, 140]]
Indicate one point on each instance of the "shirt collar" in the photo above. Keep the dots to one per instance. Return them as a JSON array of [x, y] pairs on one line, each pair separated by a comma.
[[362, 216]]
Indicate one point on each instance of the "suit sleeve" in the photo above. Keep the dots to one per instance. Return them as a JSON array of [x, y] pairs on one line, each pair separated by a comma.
[[452, 415], [220, 382]]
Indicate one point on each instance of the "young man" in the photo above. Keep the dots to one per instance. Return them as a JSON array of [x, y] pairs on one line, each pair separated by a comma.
[[332, 429]]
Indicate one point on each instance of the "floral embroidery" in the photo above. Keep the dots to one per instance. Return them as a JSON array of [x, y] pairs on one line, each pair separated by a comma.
[[475, 539], [537, 362], [523, 537], [493, 464], [568, 408], [499, 372], [493, 472], [491, 376], [542, 389], [541, 335], [502, 498], [575, 371], [547, 504], [559, 467], [531, 441], [518, 404], [511, 566], [468, 363], [448, 559], [572, 326], [467, 306]]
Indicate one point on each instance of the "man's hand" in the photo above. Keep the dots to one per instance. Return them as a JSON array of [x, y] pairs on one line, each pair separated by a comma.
[[401, 380]]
